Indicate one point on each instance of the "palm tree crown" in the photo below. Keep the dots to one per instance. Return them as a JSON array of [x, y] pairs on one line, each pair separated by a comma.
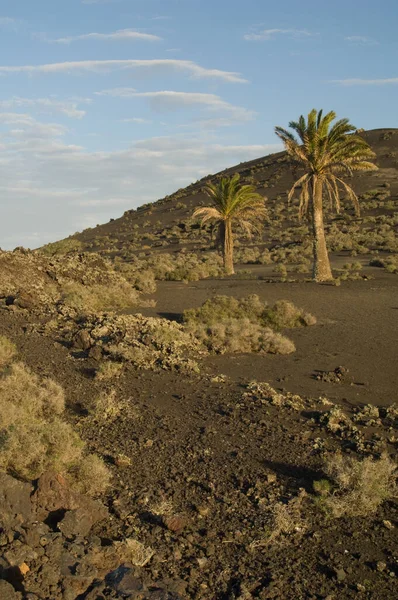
[[325, 153], [233, 201]]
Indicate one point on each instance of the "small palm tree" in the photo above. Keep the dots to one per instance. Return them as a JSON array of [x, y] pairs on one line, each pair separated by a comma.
[[325, 152], [232, 203]]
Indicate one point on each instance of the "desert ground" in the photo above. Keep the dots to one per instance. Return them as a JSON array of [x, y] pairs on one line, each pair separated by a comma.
[[226, 466]]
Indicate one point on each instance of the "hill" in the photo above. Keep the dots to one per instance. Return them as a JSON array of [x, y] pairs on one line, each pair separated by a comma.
[[167, 226]]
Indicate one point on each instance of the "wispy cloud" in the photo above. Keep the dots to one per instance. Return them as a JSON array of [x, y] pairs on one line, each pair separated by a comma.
[[163, 101], [270, 34], [359, 81], [106, 66], [48, 105], [10, 23], [120, 35], [46, 178], [361, 40], [137, 120]]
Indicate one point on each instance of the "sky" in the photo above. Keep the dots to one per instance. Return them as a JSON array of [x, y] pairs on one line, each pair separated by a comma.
[[108, 104]]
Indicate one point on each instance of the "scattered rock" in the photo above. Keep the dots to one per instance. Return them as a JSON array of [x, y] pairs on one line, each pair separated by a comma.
[[15, 504], [125, 581], [338, 375], [175, 523]]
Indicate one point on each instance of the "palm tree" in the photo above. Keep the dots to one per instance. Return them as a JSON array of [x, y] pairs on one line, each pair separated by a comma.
[[325, 152], [232, 203]]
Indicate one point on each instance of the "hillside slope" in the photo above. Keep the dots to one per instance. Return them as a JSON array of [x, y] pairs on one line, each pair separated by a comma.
[[167, 225]]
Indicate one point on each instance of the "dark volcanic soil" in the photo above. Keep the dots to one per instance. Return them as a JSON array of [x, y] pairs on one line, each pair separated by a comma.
[[357, 327], [207, 464]]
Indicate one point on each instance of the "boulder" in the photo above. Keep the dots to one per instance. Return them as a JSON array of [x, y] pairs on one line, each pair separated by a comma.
[[15, 505]]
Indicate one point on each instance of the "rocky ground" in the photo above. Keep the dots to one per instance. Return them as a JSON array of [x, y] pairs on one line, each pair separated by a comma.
[[215, 459], [212, 476]]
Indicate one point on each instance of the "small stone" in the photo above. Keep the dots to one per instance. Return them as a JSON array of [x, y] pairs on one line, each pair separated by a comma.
[[124, 581], [380, 566], [23, 568], [388, 525], [202, 562], [340, 574], [360, 587], [175, 523], [148, 444], [203, 510], [122, 460], [271, 477]]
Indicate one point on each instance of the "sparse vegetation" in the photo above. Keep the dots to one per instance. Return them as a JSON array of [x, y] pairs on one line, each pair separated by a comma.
[[34, 437], [8, 351], [358, 487], [96, 298]]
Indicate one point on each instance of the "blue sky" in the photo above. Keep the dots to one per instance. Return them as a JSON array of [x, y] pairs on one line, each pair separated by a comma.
[[108, 104]]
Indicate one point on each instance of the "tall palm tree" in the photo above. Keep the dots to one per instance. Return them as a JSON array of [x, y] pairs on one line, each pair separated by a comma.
[[232, 203], [325, 151]]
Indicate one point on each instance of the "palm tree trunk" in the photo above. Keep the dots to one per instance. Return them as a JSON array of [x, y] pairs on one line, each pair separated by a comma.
[[228, 253], [322, 270]]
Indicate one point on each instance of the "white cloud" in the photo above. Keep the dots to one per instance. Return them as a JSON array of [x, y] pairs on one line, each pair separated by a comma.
[[162, 101], [9, 23], [48, 185], [270, 34], [359, 81], [106, 66], [48, 105], [120, 35], [361, 40], [137, 120]]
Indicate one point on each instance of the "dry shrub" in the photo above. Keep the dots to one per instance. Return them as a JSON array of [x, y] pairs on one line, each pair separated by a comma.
[[33, 435], [62, 247], [7, 351], [285, 519], [95, 298], [286, 314], [240, 335], [108, 370], [134, 552], [225, 324], [184, 266], [106, 406], [90, 475], [142, 280], [361, 486]]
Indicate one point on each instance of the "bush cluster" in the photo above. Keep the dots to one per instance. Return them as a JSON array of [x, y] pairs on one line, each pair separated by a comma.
[[34, 437], [226, 324]]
